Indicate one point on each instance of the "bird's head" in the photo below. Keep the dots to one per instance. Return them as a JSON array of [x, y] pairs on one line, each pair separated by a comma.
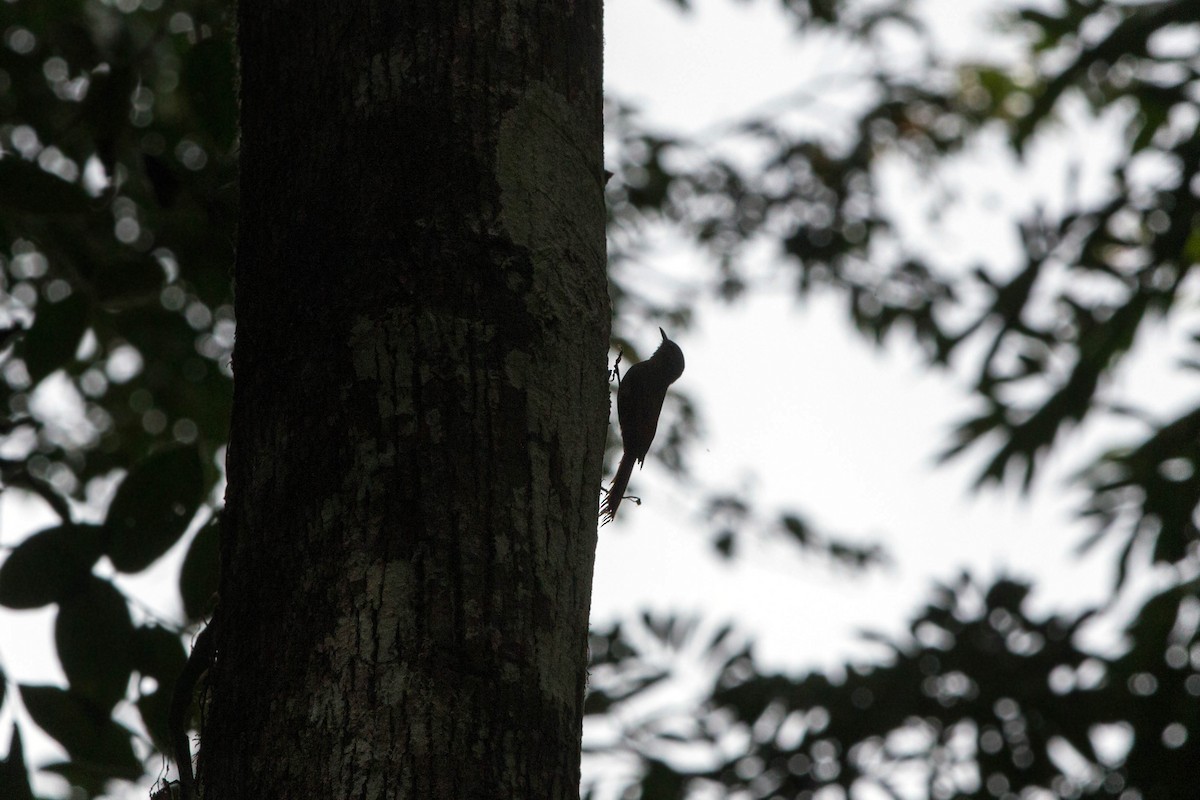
[[670, 357]]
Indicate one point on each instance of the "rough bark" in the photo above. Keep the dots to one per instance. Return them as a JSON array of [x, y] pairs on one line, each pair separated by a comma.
[[420, 402]]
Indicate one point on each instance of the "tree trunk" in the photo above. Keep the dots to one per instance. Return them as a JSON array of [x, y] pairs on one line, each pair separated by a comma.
[[420, 402]]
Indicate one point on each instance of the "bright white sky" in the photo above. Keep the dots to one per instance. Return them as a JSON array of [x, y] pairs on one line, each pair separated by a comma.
[[798, 408], [810, 415]]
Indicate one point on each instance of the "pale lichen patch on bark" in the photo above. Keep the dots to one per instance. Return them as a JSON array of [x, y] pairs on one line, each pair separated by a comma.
[[541, 165], [550, 203]]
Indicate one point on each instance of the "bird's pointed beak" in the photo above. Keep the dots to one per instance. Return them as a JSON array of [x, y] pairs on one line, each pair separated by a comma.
[[664, 334]]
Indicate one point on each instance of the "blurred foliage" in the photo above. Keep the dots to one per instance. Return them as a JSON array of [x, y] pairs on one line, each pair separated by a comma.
[[981, 700], [1045, 339], [117, 205]]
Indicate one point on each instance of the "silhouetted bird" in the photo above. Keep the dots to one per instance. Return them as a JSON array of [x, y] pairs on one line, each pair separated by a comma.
[[640, 396]]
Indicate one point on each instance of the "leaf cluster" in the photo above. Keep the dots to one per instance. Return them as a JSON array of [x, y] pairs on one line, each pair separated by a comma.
[[117, 202], [985, 701], [981, 700]]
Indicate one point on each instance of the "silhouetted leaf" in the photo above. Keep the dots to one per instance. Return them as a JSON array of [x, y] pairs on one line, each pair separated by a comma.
[[598, 702], [54, 337], [126, 282], [1006, 594], [8, 334], [797, 528], [49, 565], [25, 187], [159, 654], [199, 576], [153, 507], [162, 178], [93, 634], [155, 708], [90, 736], [661, 781], [208, 79], [724, 543], [14, 775], [90, 779], [106, 108]]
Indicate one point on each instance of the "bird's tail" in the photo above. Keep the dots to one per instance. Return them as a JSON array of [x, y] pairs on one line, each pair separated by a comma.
[[616, 492]]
